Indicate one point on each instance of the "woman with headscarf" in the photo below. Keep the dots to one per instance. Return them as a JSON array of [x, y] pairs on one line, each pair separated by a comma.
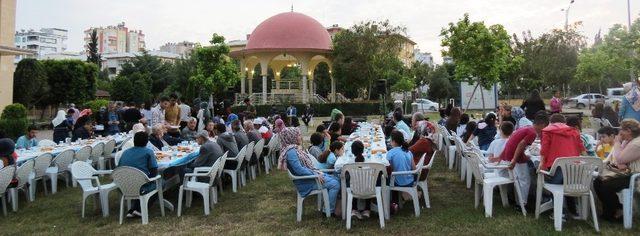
[[7, 148], [611, 116], [299, 163], [279, 126], [532, 105], [203, 116], [424, 145], [630, 108], [521, 121], [60, 127], [85, 116]]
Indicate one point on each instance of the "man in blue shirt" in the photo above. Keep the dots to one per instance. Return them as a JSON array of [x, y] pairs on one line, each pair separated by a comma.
[[143, 159], [28, 140]]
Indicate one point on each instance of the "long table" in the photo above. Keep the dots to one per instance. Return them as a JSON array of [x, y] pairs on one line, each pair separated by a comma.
[[375, 147], [29, 154]]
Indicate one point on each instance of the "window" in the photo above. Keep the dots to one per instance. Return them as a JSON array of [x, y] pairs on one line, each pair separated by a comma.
[[617, 93]]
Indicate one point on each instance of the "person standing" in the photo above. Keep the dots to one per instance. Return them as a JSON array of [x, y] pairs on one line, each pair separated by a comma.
[[556, 103], [76, 113], [60, 127], [113, 124], [532, 105], [307, 115], [158, 113], [292, 113], [250, 112], [172, 113], [185, 114]]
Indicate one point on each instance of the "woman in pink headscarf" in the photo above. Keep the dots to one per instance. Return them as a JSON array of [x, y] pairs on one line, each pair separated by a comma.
[[279, 126]]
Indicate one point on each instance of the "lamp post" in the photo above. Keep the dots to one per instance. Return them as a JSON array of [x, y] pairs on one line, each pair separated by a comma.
[[566, 16], [632, 52]]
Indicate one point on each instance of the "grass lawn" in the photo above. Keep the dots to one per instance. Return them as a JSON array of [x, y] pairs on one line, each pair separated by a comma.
[[267, 207]]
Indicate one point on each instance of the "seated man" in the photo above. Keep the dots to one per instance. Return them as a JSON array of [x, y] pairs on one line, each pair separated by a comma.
[[209, 152], [226, 140], [143, 159], [252, 133], [84, 131], [29, 139], [160, 138], [189, 132], [238, 133]]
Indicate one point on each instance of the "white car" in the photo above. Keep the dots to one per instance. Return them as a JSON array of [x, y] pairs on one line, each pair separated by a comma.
[[587, 100], [424, 105]]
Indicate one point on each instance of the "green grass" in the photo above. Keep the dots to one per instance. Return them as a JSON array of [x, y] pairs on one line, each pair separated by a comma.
[[267, 207]]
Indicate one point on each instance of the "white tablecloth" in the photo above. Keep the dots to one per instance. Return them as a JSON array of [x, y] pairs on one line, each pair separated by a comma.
[[25, 155], [373, 139]]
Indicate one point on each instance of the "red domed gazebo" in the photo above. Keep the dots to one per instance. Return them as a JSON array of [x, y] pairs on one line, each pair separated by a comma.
[[283, 40]]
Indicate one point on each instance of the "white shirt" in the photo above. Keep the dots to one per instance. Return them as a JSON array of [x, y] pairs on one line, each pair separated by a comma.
[[185, 112], [496, 147]]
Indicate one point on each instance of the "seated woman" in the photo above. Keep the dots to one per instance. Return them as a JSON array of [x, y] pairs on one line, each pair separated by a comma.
[[159, 137], [486, 132], [400, 159], [625, 152], [60, 127], [84, 131], [424, 146], [468, 132], [328, 158], [298, 162], [348, 127]]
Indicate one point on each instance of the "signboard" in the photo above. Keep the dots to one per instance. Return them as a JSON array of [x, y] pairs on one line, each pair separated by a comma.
[[490, 97]]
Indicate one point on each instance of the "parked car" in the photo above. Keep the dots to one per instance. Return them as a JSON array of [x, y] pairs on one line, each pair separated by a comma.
[[615, 94], [587, 100], [424, 105]]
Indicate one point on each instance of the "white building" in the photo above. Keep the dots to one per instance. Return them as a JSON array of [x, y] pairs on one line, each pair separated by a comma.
[[182, 48], [43, 42], [423, 57], [65, 56], [113, 62], [116, 39]]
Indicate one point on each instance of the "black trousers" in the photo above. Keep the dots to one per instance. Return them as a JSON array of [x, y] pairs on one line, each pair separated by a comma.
[[606, 191]]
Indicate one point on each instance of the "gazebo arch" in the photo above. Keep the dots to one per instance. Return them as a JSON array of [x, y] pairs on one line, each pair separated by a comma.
[[279, 41]]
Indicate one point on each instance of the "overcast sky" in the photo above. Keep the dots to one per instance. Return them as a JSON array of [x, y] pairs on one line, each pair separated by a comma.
[[165, 21]]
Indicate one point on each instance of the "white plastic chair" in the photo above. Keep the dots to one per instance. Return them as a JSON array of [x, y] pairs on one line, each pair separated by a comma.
[[107, 155], [362, 185], [276, 149], [449, 149], [258, 149], [60, 167], [627, 196], [247, 169], [85, 175], [489, 182], [411, 190], [208, 190], [83, 154], [22, 174], [461, 158], [129, 180], [235, 173], [424, 184], [41, 164], [6, 175], [272, 148], [46, 143], [96, 153], [578, 174], [320, 191]]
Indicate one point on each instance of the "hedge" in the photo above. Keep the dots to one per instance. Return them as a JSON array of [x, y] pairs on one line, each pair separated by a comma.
[[13, 121], [349, 109]]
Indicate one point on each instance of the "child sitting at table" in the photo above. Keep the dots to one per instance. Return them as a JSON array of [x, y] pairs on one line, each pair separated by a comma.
[[400, 159], [357, 148], [587, 140], [317, 143], [328, 158], [497, 145], [606, 138]]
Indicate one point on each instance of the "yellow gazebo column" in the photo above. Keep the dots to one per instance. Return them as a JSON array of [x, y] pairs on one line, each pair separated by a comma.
[[250, 82], [264, 69], [304, 60], [277, 81], [243, 76]]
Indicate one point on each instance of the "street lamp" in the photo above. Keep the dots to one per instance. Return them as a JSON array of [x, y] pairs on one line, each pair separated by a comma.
[[566, 15]]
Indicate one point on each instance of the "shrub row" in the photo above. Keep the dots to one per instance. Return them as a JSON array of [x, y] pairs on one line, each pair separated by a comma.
[[349, 109]]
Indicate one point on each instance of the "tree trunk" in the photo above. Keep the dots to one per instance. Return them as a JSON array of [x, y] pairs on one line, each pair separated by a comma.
[[472, 94], [482, 96]]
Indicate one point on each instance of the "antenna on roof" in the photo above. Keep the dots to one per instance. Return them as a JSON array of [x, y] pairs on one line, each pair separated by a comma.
[[292, 7]]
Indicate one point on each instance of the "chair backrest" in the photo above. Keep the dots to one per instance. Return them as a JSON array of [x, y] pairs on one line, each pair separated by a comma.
[[249, 152], [275, 142], [109, 147], [46, 143], [577, 173], [259, 147], [129, 180], [241, 155], [23, 172], [362, 177], [418, 169], [81, 169], [63, 160], [119, 146], [6, 175], [97, 150], [42, 162], [474, 162], [83, 154], [596, 123], [428, 165], [215, 169], [223, 160], [116, 159], [460, 146]]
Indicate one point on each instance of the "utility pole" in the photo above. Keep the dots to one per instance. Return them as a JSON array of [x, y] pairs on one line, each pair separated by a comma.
[[632, 53], [566, 16]]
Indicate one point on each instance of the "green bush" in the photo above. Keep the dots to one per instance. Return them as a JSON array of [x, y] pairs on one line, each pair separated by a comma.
[[349, 109], [95, 105], [13, 121]]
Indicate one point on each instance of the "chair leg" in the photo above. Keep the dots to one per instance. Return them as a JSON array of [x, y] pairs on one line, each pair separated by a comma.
[[180, 193], [121, 208], [189, 198], [14, 199], [594, 214], [104, 203], [205, 199], [380, 208], [54, 183], [234, 181], [32, 190], [469, 177], [558, 201], [503, 195], [299, 208], [144, 208], [477, 195], [538, 197], [416, 203], [327, 209], [44, 183], [487, 200], [349, 209], [519, 198], [627, 208], [425, 192], [4, 205], [84, 202]]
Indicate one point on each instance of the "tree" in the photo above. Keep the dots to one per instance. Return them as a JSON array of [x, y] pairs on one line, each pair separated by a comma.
[[420, 72], [183, 70], [29, 82], [481, 54], [439, 86], [215, 71], [594, 66], [72, 81], [92, 48], [365, 53], [159, 72]]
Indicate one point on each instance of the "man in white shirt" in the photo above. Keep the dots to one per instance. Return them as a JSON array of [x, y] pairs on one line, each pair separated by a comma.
[[185, 114], [497, 146]]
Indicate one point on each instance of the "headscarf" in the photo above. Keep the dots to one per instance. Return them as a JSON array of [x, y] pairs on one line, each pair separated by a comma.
[[426, 129], [231, 118], [633, 97], [7, 147], [60, 117], [86, 112], [289, 138], [279, 127], [335, 112], [138, 128]]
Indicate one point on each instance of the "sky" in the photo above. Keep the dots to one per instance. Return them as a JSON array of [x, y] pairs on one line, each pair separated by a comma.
[[165, 21]]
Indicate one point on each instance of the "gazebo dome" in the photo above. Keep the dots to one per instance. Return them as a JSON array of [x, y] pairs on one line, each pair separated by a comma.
[[289, 31]]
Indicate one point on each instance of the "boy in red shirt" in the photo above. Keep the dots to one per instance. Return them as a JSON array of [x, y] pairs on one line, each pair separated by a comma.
[[513, 153], [558, 140]]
